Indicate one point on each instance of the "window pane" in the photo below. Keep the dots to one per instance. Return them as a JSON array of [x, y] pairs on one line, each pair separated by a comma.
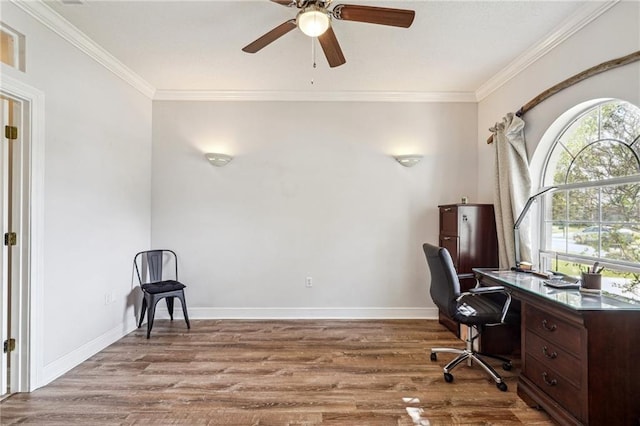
[[558, 206], [620, 121], [584, 206], [7, 48], [621, 204], [601, 160], [559, 162], [582, 132]]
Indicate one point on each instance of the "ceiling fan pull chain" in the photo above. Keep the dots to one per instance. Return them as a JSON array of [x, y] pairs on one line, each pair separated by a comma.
[[313, 55], [313, 51]]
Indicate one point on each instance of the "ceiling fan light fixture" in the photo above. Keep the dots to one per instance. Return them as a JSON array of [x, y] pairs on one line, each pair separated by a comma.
[[313, 21]]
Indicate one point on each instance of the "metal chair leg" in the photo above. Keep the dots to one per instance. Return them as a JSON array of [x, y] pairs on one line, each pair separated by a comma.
[[143, 310], [184, 310], [169, 301]]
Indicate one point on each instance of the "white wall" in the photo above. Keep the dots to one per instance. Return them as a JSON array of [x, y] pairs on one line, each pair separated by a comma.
[[312, 191], [96, 194], [614, 34]]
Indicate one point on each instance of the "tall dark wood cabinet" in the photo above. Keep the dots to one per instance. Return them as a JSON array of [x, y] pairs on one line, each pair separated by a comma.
[[468, 231]]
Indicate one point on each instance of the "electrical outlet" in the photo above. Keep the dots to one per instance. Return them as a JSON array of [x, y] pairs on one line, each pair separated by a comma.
[[309, 282]]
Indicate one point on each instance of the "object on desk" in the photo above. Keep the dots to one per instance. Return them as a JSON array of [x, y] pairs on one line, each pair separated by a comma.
[[518, 222], [591, 280], [525, 266], [590, 290], [562, 284], [547, 274], [595, 269]]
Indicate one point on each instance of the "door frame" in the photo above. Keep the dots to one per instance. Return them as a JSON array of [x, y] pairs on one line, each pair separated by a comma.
[[30, 316]]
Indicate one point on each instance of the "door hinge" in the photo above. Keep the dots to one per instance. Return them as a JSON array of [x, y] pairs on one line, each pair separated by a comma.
[[11, 132], [10, 239], [9, 345]]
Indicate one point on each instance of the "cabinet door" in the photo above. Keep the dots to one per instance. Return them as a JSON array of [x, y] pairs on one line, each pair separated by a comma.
[[449, 220]]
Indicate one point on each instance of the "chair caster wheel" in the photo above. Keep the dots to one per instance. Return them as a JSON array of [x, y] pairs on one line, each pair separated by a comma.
[[502, 386], [507, 366], [448, 377], [434, 356]]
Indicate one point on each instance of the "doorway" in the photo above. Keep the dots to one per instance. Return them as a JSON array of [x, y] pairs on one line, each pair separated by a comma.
[[12, 241], [21, 260]]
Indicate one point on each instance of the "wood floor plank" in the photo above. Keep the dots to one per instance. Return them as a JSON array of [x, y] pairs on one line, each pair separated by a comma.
[[288, 372]]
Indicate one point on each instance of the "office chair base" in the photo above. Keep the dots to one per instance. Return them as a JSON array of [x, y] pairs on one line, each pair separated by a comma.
[[470, 356]]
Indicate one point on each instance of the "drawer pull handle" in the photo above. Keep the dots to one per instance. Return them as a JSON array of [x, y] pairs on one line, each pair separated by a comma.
[[548, 327], [448, 209], [446, 238], [552, 355], [552, 382]]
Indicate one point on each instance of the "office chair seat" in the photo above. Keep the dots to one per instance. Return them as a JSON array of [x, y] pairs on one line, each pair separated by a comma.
[[479, 307], [474, 310]]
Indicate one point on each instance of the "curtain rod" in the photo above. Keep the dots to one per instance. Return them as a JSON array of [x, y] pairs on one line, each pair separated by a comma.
[[605, 66]]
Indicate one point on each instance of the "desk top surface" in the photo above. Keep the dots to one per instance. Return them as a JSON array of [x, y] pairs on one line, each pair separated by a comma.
[[572, 299]]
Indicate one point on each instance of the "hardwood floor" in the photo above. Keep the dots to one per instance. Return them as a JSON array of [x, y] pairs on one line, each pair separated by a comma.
[[302, 372]]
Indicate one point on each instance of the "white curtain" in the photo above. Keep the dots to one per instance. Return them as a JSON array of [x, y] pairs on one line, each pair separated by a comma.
[[512, 187]]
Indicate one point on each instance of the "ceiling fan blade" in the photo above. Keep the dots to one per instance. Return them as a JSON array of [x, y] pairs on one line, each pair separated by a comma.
[[288, 3], [331, 48], [374, 15], [270, 37]]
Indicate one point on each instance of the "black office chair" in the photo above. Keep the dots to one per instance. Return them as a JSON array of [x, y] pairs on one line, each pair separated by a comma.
[[153, 268], [474, 309]]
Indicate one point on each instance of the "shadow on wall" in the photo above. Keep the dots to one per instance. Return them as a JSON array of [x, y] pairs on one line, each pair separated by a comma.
[[134, 299]]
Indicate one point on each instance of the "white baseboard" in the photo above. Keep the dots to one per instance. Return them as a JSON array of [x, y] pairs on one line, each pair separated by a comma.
[[57, 368], [301, 313]]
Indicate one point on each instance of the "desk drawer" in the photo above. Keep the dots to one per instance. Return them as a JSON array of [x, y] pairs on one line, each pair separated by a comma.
[[554, 384], [553, 356], [554, 330], [452, 244]]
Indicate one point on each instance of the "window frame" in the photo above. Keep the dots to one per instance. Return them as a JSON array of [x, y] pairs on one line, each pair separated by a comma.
[[546, 252]]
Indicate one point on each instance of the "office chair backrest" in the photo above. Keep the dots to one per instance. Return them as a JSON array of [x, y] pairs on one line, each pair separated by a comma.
[[445, 286], [150, 265]]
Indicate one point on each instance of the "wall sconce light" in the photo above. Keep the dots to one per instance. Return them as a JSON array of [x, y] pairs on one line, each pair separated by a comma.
[[408, 160], [217, 159]]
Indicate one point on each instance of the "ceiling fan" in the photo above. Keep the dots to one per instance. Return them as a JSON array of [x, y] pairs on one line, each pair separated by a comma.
[[314, 19]]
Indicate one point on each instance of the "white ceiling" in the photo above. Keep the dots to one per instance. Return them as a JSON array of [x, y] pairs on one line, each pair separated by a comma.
[[452, 46]]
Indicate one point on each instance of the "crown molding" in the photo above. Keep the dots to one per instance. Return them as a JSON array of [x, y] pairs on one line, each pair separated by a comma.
[[312, 96], [56, 23], [570, 26]]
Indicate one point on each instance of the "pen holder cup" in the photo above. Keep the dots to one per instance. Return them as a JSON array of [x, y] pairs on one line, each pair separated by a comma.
[[591, 281]]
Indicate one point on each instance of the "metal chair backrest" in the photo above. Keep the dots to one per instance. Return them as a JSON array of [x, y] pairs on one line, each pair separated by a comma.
[[151, 265]]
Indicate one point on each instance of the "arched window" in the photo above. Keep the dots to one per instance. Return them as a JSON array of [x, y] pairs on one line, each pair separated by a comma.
[[594, 214]]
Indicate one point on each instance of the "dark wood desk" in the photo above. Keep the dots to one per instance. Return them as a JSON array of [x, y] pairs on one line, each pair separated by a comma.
[[580, 352]]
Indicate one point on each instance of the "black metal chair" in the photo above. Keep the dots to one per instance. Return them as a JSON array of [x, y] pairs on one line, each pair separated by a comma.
[[153, 268], [475, 308]]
